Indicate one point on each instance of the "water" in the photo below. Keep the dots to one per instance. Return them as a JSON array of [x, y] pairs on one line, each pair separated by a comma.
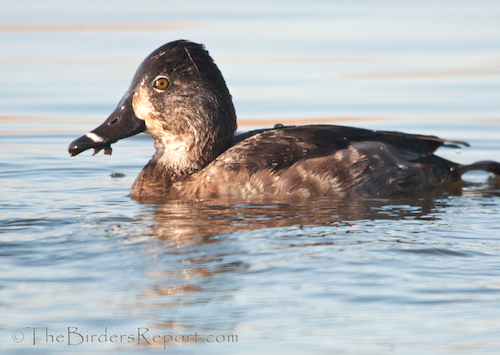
[[90, 271]]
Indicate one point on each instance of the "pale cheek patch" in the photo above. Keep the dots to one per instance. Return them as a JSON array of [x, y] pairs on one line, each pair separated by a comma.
[[143, 108], [94, 137]]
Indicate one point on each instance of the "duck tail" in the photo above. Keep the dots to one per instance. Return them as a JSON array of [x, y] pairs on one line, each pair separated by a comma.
[[485, 165]]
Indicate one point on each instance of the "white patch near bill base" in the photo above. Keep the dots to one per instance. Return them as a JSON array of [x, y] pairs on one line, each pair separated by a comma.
[[94, 137]]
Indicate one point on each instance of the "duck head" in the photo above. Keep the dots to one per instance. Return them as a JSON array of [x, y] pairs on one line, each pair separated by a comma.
[[179, 97]]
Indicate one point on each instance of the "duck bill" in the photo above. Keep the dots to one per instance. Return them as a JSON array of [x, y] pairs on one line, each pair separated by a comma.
[[122, 123]]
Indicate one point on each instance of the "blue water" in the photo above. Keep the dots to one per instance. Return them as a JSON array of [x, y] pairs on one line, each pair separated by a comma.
[[90, 271]]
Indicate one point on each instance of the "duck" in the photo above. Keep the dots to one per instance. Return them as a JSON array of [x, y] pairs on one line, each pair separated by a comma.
[[179, 97]]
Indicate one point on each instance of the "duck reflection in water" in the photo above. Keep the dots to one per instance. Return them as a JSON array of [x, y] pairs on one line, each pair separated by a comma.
[[189, 222], [200, 248], [179, 97]]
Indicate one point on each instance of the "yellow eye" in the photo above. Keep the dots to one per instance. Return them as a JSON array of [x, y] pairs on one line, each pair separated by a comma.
[[161, 83]]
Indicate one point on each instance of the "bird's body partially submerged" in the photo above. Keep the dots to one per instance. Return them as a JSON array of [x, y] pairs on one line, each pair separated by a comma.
[[179, 97]]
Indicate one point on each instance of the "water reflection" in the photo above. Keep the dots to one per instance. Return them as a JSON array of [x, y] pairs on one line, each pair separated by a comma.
[[215, 251], [192, 222]]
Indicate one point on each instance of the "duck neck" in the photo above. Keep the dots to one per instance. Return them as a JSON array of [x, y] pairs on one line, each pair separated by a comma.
[[173, 161], [155, 179], [169, 165]]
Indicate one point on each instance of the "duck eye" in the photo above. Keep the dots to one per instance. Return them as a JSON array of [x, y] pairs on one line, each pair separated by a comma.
[[160, 83]]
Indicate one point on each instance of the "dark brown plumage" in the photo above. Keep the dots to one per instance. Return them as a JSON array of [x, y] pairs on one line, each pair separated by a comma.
[[179, 97]]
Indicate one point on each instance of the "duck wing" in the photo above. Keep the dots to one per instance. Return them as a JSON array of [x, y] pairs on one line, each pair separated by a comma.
[[324, 160], [277, 148]]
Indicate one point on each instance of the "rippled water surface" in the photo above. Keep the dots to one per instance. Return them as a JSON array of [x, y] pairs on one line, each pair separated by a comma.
[[84, 269]]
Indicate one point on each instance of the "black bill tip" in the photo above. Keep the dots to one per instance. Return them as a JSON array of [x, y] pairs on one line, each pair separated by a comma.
[[89, 141]]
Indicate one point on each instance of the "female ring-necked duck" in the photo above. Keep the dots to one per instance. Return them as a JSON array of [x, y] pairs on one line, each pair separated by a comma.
[[179, 97]]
